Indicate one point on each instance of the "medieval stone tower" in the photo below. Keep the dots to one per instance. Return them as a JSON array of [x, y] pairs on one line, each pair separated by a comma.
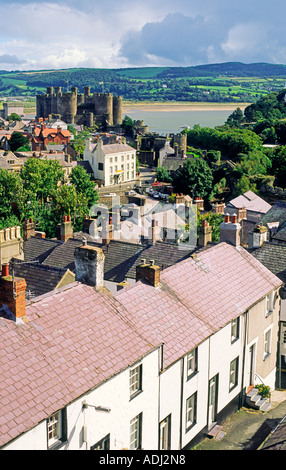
[[86, 108]]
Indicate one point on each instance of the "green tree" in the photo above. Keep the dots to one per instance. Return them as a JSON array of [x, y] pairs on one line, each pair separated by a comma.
[[194, 178], [18, 140], [14, 117], [162, 174], [66, 201], [41, 177], [83, 185], [11, 197]]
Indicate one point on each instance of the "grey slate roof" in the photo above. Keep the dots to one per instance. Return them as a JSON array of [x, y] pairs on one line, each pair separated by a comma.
[[40, 279], [121, 258], [39, 248], [273, 257], [277, 213]]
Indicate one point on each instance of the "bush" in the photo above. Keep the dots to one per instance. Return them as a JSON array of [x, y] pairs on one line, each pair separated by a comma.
[[263, 390]]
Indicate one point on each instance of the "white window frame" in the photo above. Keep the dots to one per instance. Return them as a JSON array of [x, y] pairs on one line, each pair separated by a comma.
[[192, 362], [268, 304], [55, 428], [136, 432], [191, 411], [135, 380], [235, 329], [267, 343], [233, 373]]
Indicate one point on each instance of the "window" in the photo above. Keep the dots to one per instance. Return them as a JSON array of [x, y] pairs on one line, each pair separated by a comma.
[[111, 170], [233, 374], [103, 444], [165, 433], [234, 329], [268, 304], [267, 343], [100, 166], [191, 411], [57, 429], [136, 432], [135, 381], [192, 363]]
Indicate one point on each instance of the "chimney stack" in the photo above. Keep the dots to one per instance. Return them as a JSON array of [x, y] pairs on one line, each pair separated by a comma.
[[230, 230], [12, 294], [65, 228], [89, 266], [205, 233], [29, 228], [257, 237], [148, 271]]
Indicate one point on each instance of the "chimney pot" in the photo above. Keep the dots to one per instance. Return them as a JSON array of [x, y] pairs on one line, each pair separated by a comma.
[[5, 270], [226, 218]]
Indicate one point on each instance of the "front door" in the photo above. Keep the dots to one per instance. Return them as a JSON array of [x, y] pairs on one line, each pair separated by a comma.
[[165, 433], [213, 392], [251, 364]]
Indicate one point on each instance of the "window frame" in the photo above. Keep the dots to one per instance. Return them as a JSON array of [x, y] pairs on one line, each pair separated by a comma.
[[191, 371], [233, 382], [61, 437], [268, 304], [235, 325], [103, 444], [191, 409], [267, 343], [137, 421], [137, 373]]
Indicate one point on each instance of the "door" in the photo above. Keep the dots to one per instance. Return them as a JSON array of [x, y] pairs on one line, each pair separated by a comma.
[[213, 394], [251, 364], [165, 434]]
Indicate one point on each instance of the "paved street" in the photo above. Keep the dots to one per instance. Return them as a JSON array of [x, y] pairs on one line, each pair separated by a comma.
[[247, 429]]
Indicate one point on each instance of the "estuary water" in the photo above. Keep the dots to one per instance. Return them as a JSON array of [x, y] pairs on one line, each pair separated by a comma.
[[173, 120]]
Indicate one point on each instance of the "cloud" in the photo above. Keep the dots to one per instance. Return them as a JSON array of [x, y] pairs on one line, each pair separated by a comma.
[[92, 33], [10, 59]]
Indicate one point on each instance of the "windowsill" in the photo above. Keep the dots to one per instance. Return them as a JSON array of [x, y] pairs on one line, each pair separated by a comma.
[[191, 426], [234, 340], [57, 445], [135, 394], [232, 388], [192, 375], [268, 313], [266, 356]]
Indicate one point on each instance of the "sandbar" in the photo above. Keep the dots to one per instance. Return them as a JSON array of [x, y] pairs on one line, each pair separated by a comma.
[[181, 106]]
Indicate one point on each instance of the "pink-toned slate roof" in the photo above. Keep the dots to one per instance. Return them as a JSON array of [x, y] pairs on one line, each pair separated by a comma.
[[197, 297], [74, 340]]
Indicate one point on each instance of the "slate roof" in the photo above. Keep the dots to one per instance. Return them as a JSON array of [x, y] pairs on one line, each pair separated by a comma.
[[197, 297], [273, 257], [75, 339], [39, 248], [277, 213], [277, 438], [251, 201], [40, 279]]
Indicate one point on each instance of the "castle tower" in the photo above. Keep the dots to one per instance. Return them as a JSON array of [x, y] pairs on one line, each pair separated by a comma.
[[117, 109]]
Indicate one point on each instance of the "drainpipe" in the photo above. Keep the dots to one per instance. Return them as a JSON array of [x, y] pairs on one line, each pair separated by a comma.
[[244, 357], [181, 404]]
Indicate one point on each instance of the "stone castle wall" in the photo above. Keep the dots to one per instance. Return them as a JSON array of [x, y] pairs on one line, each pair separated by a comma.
[[86, 108]]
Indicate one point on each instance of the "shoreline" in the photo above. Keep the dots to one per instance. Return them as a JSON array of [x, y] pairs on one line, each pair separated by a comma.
[[181, 106]]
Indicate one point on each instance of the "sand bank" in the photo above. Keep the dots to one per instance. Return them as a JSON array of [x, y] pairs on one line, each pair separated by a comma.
[[181, 106]]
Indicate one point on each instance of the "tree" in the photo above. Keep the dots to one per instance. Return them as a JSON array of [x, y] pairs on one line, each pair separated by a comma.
[[194, 178], [83, 185], [18, 140], [162, 174], [11, 194], [14, 117], [41, 177]]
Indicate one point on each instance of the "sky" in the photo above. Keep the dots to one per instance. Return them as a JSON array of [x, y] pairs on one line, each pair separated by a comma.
[[128, 33]]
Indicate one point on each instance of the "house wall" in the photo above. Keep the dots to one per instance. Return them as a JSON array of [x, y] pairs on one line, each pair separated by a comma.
[[113, 394], [258, 324]]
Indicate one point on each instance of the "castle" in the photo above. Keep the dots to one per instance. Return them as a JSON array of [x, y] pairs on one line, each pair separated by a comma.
[[75, 108]]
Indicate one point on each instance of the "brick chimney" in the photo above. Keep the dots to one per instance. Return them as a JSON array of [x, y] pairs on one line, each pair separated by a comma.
[[205, 233], [230, 230], [12, 294], [65, 228], [199, 202], [89, 265], [148, 271], [29, 228]]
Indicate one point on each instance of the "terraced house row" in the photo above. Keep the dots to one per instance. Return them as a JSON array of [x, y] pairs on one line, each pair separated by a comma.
[[159, 365]]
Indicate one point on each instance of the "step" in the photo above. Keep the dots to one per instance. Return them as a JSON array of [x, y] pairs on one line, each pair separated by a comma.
[[214, 431], [266, 406]]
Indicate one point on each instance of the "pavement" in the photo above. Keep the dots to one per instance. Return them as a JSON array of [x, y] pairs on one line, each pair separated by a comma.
[[247, 429]]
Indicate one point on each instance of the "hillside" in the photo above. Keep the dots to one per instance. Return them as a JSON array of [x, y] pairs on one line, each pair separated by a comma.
[[226, 82]]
